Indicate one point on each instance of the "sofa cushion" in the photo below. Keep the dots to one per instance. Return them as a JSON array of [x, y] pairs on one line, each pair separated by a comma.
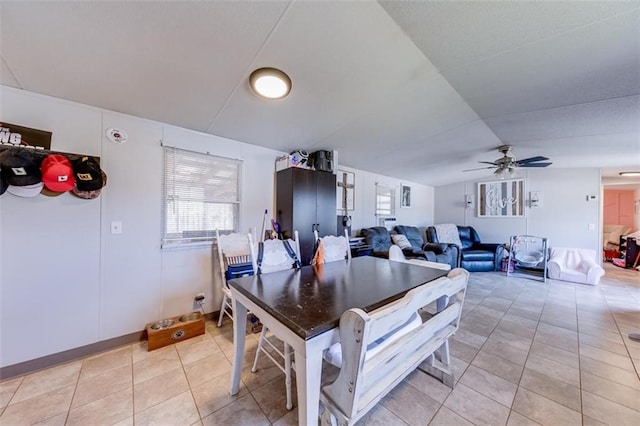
[[401, 241]]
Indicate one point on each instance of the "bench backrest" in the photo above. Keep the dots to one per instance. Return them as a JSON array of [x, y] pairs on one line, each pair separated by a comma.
[[363, 380]]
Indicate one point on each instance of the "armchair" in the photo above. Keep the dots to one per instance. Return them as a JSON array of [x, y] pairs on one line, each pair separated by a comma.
[[434, 252], [474, 255], [574, 265], [379, 239]]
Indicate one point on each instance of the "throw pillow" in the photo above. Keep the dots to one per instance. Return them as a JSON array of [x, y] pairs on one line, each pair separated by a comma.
[[401, 241]]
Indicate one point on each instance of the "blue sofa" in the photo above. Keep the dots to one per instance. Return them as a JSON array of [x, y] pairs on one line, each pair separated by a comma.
[[379, 239]]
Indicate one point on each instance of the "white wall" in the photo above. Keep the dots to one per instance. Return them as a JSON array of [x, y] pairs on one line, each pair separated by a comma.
[[363, 216], [565, 217], [66, 281]]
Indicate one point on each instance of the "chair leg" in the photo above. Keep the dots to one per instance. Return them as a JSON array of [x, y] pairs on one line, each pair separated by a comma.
[[287, 374], [222, 309], [263, 335]]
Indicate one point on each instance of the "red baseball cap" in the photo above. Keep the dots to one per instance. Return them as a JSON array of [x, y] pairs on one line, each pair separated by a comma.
[[57, 173]]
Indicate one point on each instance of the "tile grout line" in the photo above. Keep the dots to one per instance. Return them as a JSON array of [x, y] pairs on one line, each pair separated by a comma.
[[193, 399], [476, 354], [582, 415], [633, 364], [249, 392], [524, 365], [608, 306], [133, 390], [469, 364], [12, 396]]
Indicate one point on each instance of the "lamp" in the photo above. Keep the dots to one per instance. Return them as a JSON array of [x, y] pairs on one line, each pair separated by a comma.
[[468, 200], [535, 198], [270, 83], [634, 173]]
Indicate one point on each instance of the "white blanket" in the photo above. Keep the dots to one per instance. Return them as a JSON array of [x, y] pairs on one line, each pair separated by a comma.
[[448, 233]]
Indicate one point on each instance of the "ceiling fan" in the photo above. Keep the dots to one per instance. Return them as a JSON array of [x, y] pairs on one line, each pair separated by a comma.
[[507, 164]]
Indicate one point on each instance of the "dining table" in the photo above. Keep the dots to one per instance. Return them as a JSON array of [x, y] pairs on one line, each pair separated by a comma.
[[303, 307]]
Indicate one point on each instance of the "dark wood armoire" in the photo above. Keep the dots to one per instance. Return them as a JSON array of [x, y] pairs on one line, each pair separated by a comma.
[[306, 200]]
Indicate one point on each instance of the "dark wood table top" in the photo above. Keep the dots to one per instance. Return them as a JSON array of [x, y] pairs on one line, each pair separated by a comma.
[[311, 300]]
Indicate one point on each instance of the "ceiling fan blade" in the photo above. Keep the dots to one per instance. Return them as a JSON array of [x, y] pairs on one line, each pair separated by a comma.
[[487, 162], [480, 168], [532, 159], [535, 165]]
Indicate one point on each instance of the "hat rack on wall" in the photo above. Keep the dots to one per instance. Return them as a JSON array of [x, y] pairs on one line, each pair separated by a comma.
[[42, 153], [28, 172]]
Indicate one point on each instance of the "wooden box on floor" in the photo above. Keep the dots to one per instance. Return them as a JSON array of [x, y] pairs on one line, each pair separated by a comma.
[[173, 330]]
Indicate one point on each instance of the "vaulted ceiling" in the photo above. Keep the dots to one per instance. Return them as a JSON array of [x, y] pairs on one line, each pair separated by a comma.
[[418, 90]]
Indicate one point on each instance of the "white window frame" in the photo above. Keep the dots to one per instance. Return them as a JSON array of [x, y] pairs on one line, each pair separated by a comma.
[[385, 200], [208, 202]]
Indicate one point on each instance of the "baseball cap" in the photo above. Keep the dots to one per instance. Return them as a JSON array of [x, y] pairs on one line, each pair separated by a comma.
[[3, 184], [57, 174], [88, 174], [21, 168], [49, 193], [27, 191], [90, 195]]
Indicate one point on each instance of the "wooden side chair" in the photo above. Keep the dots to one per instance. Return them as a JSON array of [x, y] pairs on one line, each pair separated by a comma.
[[334, 247], [234, 256], [268, 257]]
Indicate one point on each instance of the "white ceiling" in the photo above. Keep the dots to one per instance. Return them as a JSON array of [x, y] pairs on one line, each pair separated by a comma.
[[417, 90]]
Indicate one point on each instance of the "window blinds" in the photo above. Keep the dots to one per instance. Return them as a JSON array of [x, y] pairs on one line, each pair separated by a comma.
[[385, 200], [200, 195]]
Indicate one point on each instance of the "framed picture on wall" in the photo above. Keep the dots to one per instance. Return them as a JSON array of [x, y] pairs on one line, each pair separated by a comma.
[[405, 196], [503, 198]]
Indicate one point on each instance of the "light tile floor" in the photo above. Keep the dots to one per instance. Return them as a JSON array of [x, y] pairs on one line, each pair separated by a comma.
[[527, 353]]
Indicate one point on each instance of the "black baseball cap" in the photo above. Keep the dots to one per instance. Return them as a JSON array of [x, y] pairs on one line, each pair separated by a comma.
[[88, 174], [21, 167], [3, 184]]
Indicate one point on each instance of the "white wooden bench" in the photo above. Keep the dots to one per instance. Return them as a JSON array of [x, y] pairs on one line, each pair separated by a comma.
[[367, 376]]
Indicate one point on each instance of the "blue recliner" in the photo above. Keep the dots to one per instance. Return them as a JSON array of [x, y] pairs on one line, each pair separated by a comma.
[[474, 255], [379, 239]]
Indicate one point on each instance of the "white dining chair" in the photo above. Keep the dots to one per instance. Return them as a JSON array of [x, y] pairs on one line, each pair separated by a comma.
[[234, 256], [267, 257], [334, 247]]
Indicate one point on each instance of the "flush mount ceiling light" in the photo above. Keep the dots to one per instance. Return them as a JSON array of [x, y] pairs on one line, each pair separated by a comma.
[[629, 173], [270, 83]]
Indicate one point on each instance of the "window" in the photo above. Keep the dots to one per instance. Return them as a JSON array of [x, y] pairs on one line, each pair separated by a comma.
[[200, 195], [385, 200]]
